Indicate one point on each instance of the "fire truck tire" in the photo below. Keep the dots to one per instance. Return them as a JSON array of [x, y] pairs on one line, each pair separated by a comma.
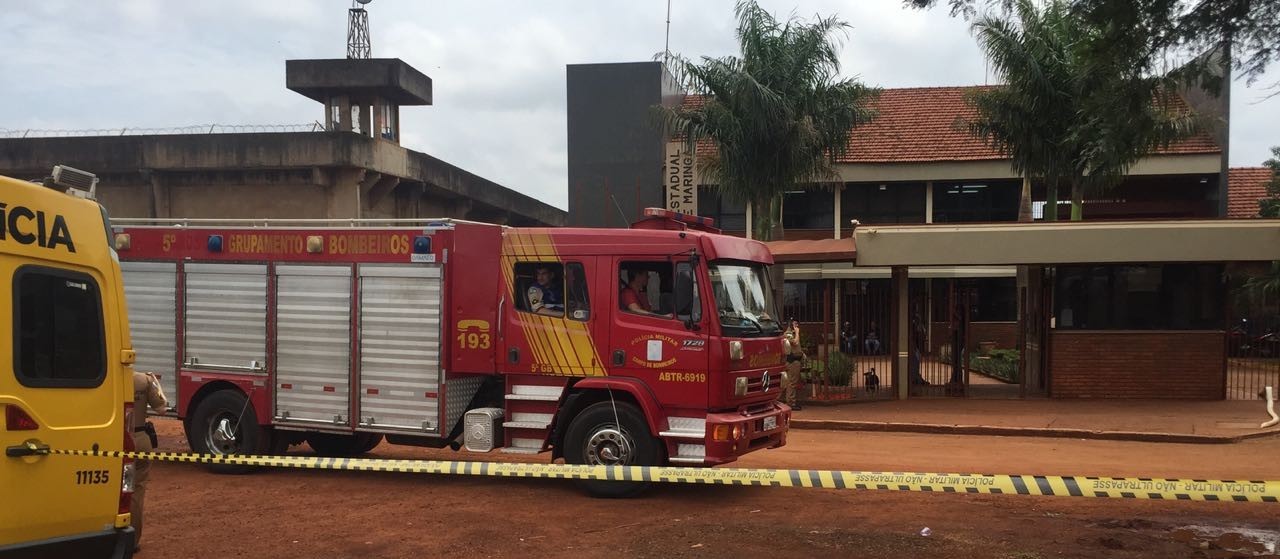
[[219, 428], [332, 444], [595, 437]]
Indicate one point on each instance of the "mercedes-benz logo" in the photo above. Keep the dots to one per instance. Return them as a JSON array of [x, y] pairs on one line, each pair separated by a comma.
[[764, 382]]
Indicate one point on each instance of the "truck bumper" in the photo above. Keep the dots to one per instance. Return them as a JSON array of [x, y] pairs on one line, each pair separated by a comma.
[[733, 434], [114, 543]]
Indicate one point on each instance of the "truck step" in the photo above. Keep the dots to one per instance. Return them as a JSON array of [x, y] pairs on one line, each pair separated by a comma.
[[535, 393], [685, 428], [523, 446], [689, 454], [533, 397], [526, 424]]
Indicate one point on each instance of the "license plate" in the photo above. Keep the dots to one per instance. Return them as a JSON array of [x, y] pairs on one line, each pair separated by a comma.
[[770, 423]]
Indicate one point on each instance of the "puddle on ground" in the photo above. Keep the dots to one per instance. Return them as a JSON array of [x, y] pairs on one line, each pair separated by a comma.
[[1229, 542]]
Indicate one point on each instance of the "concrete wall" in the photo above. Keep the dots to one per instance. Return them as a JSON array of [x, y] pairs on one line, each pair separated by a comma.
[[1125, 364], [615, 151], [282, 175], [126, 200]]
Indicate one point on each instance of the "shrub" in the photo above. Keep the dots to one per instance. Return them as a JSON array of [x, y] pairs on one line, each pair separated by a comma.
[[1000, 363], [840, 368]]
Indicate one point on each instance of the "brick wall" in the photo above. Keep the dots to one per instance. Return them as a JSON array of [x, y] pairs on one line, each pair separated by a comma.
[[1186, 365]]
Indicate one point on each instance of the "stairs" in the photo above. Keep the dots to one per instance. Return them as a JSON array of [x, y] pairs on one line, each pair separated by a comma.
[[530, 405]]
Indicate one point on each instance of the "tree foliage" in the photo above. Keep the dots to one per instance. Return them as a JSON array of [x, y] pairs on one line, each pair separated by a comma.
[[1270, 205], [1253, 27], [779, 113], [1080, 104]]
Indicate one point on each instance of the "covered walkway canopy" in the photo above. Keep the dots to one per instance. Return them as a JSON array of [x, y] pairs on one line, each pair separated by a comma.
[[1160, 304]]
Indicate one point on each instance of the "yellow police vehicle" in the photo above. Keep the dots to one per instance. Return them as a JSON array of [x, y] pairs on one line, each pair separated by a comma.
[[65, 373]]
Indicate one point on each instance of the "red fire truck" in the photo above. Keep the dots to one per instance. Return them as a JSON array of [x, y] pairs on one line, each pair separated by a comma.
[[651, 345]]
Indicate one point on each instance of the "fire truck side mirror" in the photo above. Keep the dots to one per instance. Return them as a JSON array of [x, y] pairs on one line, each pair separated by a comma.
[[685, 296]]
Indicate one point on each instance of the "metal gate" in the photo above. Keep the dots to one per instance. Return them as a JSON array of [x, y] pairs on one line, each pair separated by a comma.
[[1253, 332], [939, 345]]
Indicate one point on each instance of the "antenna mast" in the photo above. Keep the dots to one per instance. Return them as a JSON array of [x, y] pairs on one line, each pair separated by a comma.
[[358, 44], [666, 46]]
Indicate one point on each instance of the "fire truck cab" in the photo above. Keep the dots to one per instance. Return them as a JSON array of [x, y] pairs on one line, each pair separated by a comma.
[[651, 345]]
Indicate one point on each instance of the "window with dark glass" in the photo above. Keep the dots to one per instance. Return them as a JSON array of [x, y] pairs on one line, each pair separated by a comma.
[[895, 202], [976, 201], [802, 300], [57, 331], [809, 209], [1139, 297], [729, 214]]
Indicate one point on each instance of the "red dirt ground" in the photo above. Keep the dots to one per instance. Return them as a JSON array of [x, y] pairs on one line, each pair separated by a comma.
[[291, 513]]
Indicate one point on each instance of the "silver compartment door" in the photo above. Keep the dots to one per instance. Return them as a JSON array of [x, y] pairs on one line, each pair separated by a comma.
[[150, 292], [226, 320], [313, 344], [400, 337]]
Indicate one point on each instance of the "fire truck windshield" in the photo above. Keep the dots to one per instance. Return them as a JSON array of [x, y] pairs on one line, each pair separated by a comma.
[[744, 301]]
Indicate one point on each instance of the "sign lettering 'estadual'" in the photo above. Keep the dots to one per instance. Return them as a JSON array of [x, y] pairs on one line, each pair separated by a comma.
[[681, 178]]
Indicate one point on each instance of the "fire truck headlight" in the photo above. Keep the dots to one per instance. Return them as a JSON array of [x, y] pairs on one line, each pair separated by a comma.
[[735, 350], [737, 431], [740, 387]]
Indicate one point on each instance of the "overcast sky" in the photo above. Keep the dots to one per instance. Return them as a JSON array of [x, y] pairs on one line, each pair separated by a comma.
[[498, 67]]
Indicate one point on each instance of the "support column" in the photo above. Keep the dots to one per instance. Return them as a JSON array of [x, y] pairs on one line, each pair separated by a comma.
[[344, 112], [160, 204], [749, 224], [344, 193], [928, 202], [379, 118], [839, 190], [901, 325]]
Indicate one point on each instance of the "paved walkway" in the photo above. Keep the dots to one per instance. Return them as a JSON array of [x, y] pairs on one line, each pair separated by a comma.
[[1143, 420]]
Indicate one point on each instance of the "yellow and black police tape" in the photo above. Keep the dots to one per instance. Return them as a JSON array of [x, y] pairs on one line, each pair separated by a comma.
[[993, 484]]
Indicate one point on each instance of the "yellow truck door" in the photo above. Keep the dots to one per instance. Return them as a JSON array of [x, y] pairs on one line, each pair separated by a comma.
[[62, 380]]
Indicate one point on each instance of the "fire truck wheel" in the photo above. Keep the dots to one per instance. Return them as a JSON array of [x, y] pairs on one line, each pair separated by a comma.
[[219, 428], [597, 436], [331, 444]]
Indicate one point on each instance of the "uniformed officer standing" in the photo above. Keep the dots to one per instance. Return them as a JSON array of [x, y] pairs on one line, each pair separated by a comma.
[[146, 391], [794, 355]]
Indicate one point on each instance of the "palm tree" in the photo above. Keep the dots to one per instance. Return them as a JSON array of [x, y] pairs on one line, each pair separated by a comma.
[[1080, 104], [779, 114]]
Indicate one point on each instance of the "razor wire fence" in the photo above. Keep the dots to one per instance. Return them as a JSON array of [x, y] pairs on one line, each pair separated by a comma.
[[174, 130]]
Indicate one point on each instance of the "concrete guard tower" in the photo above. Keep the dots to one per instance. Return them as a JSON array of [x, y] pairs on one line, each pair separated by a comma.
[[361, 95]]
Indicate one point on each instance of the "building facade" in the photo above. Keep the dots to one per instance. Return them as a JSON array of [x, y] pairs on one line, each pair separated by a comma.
[[913, 165]]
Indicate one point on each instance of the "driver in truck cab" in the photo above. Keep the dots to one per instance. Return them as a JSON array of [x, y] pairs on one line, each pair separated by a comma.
[[544, 296]]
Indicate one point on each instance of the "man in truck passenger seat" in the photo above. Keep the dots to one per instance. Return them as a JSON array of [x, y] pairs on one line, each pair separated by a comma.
[[146, 392], [634, 298], [544, 296]]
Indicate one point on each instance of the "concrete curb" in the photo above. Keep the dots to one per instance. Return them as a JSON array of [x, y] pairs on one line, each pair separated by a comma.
[[881, 426]]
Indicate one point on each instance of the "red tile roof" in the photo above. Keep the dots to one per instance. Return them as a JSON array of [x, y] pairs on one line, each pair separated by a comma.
[[1245, 186], [918, 124]]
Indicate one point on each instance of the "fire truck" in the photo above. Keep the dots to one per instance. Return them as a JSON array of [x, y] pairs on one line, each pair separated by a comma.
[[653, 345]]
